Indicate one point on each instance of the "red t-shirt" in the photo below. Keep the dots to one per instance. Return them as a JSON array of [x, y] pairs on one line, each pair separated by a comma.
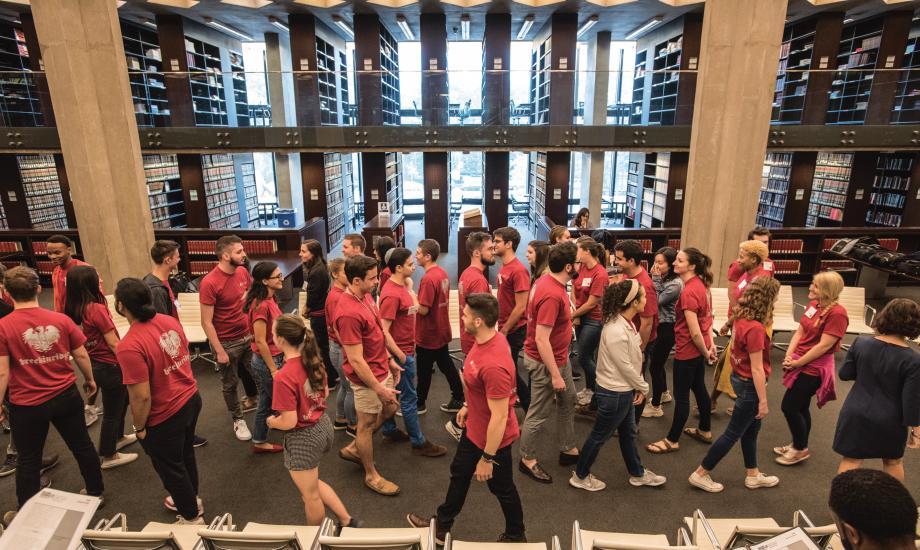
[[385, 275], [590, 282], [358, 323], [735, 271], [749, 337], [472, 281], [59, 283], [267, 311], [742, 282], [396, 305], [489, 373], [513, 277], [651, 303], [433, 331], [814, 323], [549, 306], [695, 297], [289, 393], [332, 299], [97, 321], [157, 352], [226, 293], [38, 343]]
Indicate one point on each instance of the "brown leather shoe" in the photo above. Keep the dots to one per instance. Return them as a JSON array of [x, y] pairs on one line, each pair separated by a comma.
[[430, 450], [586, 410], [421, 522], [536, 473], [398, 436], [566, 459]]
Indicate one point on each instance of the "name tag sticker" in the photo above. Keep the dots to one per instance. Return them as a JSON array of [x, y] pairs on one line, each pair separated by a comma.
[[742, 284], [810, 312], [586, 282], [768, 266]]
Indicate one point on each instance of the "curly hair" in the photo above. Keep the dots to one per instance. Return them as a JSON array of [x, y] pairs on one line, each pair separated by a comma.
[[900, 317], [615, 295], [758, 300]]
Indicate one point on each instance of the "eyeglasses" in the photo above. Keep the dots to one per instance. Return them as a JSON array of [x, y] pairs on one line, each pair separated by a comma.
[[279, 276]]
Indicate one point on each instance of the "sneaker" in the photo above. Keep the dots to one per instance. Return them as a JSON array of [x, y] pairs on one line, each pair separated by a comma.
[[399, 412], [452, 406], [649, 478], [49, 462], [182, 521], [249, 404], [423, 522], [398, 436], [120, 459], [9, 465], [455, 431], [199, 441], [90, 415], [793, 457], [340, 425], [584, 397], [705, 483], [760, 481], [576, 376], [241, 430], [422, 410], [651, 411], [504, 537], [351, 432], [589, 483], [171, 505], [586, 410], [124, 441], [666, 397]]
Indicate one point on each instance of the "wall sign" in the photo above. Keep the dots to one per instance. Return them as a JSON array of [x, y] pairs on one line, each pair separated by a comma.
[[304, 64], [889, 62], [433, 64], [557, 194], [174, 64], [368, 64], [859, 194], [12, 196], [497, 194], [435, 194], [563, 63], [799, 194], [375, 194], [314, 194], [692, 63], [193, 195], [823, 61], [678, 194], [497, 63]]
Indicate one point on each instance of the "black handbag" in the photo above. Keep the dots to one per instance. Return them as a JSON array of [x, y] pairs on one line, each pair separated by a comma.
[[885, 258], [846, 245], [181, 282], [907, 265], [864, 251]]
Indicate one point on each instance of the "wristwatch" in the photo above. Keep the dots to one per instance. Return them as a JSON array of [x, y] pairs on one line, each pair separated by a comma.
[[487, 458]]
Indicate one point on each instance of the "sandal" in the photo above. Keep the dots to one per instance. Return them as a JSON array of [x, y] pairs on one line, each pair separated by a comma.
[[697, 435], [662, 447], [383, 487]]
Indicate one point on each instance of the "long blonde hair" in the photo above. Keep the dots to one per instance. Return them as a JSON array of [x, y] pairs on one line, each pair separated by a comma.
[[758, 300]]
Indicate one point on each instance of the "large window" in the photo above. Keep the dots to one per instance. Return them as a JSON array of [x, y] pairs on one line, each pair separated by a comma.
[[413, 183], [464, 74], [410, 82], [520, 82], [466, 178]]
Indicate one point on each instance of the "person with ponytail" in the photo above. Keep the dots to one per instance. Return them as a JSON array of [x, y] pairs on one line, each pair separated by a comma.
[[537, 257], [262, 309], [86, 306], [808, 368], [317, 284], [693, 349], [750, 365], [619, 388], [668, 287], [588, 291], [299, 396], [382, 245], [157, 369]]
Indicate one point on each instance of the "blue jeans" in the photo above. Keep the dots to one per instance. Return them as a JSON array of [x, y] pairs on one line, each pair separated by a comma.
[[744, 425], [408, 402], [264, 408], [615, 412], [345, 395], [587, 338]]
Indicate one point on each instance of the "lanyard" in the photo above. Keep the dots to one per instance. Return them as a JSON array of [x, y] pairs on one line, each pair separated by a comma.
[[373, 313]]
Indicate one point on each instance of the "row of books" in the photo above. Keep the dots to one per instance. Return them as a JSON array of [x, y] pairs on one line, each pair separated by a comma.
[[201, 268], [212, 187], [824, 211], [42, 202], [161, 200], [10, 246], [836, 265], [33, 189], [890, 200], [787, 246], [29, 162], [897, 183], [39, 174], [252, 246], [884, 218], [219, 199], [895, 163], [774, 213], [831, 186], [772, 199], [829, 199], [835, 159]]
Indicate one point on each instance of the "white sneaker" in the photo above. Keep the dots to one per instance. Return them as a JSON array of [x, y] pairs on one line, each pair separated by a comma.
[[241, 430], [584, 397], [120, 459], [124, 441], [705, 483], [760, 481], [651, 411], [589, 483], [171, 505], [666, 397], [649, 478], [182, 521], [90, 415], [453, 430]]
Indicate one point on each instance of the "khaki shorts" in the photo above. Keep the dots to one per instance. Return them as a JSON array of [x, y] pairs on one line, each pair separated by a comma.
[[366, 400]]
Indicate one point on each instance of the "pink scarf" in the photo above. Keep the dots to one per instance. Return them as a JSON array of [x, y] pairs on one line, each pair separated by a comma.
[[825, 364]]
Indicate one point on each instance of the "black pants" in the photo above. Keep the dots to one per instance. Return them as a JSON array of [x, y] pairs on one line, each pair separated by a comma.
[[30, 430], [516, 342], [426, 358], [114, 406], [646, 359], [660, 352], [321, 332], [501, 485], [689, 374], [796, 407], [169, 446]]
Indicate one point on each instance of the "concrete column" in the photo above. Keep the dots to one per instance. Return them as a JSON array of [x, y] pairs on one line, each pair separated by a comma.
[[433, 35], [496, 110], [731, 119], [596, 85], [84, 58], [281, 99]]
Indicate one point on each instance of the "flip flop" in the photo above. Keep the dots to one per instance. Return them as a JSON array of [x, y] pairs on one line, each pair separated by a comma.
[[662, 447], [695, 434], [383, 487]]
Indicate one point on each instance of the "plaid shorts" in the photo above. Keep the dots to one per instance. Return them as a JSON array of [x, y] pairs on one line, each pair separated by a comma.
[[305, 447]]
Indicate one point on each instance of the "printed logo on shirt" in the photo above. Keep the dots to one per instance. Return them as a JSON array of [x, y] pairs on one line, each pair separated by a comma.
[[445, 287], [742, 284], [810, 312], [41, 339], [460, 288], [171, 343]]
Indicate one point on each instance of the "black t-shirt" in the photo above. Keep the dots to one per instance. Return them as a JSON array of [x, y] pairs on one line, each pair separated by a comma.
[[318, 282], [5, 309]]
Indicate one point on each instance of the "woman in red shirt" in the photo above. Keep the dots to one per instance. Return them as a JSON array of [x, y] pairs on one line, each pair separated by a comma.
[[300, 393], [587, 294], [693, 349], [750, 364], [87, 307], [262, 310], [808, 369]]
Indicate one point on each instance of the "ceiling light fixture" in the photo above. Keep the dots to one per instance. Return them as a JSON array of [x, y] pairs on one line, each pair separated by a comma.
[[227, 29], [278, 23], [340, 23], [587, 25], [465, 26], [647, 26], [525, 27], [404, 26], [149, 22]]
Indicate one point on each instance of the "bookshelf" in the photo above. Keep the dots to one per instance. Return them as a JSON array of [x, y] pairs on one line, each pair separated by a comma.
[[19, 102], [207, 83], [4, 224], [240, 96], [347, 119], [634, 179], [657, 169], [665, 79], [42, 190], [889, 189], [537, 185], [389, 78], [220, 191], [774, 188], [849, 96], [541, 60], [394, 184], [907, 100], [148, 88], [338, 170], [164, 191], [635, 114], [829, 189], [327, 82], [250, 194], [791, 75]]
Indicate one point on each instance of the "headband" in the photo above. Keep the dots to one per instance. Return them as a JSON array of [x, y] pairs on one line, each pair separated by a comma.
[[386, 257], [633, 291]]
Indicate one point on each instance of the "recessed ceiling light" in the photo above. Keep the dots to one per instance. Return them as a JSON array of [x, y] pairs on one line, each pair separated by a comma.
[[587, 25], [340, 23], [254, 4], [149, 22], [645, 27], [465, 26], [525, 27], [404, 27], [227, 29], [176, 3], [278, 23]]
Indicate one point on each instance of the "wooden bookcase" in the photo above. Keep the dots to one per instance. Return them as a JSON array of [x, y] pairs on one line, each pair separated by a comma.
[[795, 56], [42, 189], [328, 82], [389, 78], [856, 61], [394, 184], [541, 59], [907, 100], [148, 88], [665, 81], [19, 100], [829, 189], [634, 181], [240, 95], [890, 189], [338, 176], [164, 191], [537, 185], [207, 83], [250, 194], [655, 179], [774, 189], [220, 191], [638, 95]]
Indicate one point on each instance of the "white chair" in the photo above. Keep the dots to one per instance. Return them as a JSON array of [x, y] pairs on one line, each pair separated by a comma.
[[450, 544], [190, 318], [735, 532], [113, 534], [260, 536], [720, 306], [853, 298], [784, 314], [590, 540], [399, 538]]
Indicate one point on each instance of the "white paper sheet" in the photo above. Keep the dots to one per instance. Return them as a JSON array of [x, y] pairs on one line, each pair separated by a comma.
[[51, 520]]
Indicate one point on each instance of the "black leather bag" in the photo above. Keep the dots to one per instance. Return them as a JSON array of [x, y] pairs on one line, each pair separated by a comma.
[[864, 251], [846, 245], [908, 266], [181, 282], [885, 258]]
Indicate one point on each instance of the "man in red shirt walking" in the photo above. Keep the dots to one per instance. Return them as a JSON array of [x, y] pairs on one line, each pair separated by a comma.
[[432, 328], [513, 287], [60, 252], [490, 426], [549, 333], [221, 297]]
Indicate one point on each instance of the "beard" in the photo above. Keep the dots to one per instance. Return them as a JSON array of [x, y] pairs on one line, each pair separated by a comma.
[[235, 263], [488, 262]]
